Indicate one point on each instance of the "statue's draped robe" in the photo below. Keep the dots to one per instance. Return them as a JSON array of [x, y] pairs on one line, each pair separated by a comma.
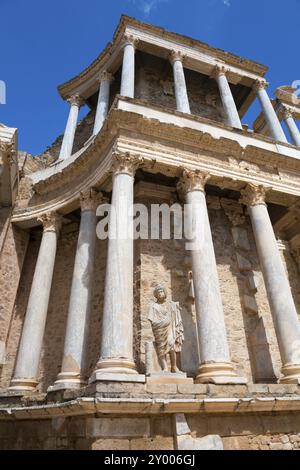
[[167, 327]]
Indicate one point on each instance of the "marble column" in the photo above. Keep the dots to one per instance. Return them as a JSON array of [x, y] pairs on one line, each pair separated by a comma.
[[27, 366], [272, 120], [117, 322], [182, 100], [285, 318], [103, 101], [128, 68], [75, 349], [216, 366], [291, 125], [229, 106], [69, 135]]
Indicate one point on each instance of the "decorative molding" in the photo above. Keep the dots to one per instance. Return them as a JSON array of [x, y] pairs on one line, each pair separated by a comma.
[[51, 221], [193, 180], [90, 200], [125, 163], [76, 100], [254, 195]]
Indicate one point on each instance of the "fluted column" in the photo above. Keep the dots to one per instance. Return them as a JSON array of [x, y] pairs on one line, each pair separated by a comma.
[[117, 322], [69, 135], [27, 365], [182, 100], [103, 101], [229, 106], [216, 366], [75, 348], [291, 125], [285, 318], [272, 120], [128, 68]]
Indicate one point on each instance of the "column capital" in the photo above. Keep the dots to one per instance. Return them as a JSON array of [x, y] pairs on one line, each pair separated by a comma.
[[285, 112], [106, 76], [130, 39], [76, 100], [176, 55], [254, 195], [193, 180], [7, 150], [125, 163], [51, 221], [219, 71], [260, 84], [90, 200]]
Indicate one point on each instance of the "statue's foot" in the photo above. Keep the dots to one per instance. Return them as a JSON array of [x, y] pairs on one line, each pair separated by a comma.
[[175, 370]]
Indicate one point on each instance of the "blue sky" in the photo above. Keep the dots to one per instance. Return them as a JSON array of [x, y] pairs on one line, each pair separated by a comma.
[[45, 43]]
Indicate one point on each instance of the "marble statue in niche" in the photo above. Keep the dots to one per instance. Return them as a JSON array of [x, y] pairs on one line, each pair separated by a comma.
[[165, 318]]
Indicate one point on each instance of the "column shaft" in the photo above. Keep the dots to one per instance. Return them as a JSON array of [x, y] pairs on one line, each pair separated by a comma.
[[215, 365], [27, 365], [285, 318], [75, 348], [182, 100], [69, 135], [229, 106], [117, 323], [128, 68], [269, 113], [103, 102], [293, 129]]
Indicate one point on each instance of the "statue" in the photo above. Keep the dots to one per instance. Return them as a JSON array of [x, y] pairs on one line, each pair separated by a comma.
[[167, 327]]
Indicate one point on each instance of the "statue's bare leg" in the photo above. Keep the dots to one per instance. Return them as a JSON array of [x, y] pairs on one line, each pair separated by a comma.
[[173, 358], [164, 364]]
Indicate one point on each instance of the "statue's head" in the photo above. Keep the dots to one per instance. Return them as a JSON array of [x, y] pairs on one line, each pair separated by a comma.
[[160, 293]]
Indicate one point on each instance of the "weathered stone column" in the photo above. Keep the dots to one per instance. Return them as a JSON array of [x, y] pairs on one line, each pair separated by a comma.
[[128, 68], [75, 349], [291, 125], [103, 101], [229, 106], [182, 100], [69, 135], [269, 112], [27, 365], [117, 322], [285, 318], [216, 366]]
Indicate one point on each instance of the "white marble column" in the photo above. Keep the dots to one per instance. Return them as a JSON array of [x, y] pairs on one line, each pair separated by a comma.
[[271, 117], [75, 349], [103, 101], [285, 318], [69, 135], [216, 366], [117, 321], [128, 68], [229, 106], [182, 100], [27, 366], [291, 125]]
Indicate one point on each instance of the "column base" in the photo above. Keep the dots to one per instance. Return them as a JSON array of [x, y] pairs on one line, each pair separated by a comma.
[[67, 381], [219, 373], [23, 385], [108, 368], [291, 374]]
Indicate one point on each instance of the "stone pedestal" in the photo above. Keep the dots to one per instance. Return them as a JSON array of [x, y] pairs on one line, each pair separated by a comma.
[[216, 366], [285, 317], [272, 120], [182, 101], [27, 365], [69, 135], [169, 378]]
